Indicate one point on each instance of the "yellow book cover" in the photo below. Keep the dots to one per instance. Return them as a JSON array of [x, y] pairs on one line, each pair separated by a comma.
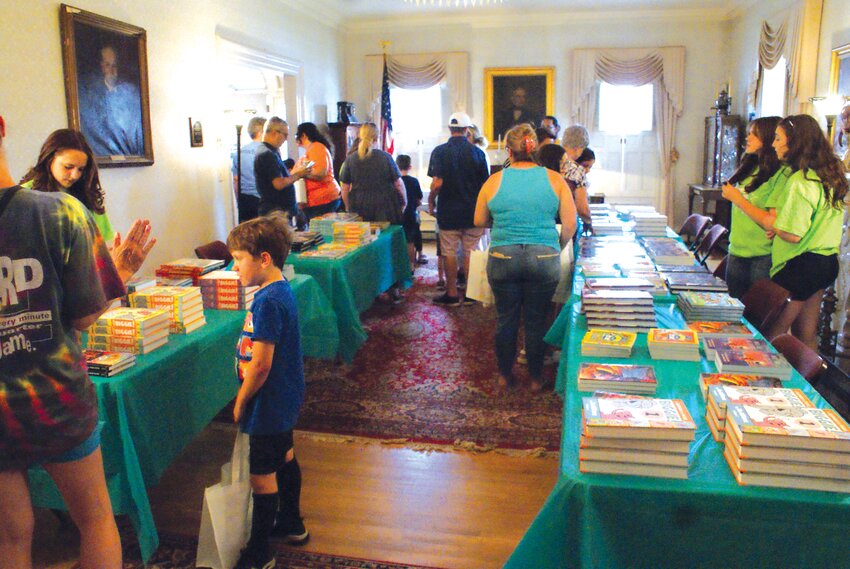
[[597, 337]]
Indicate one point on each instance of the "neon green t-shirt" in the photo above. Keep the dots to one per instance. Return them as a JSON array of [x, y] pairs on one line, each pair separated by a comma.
[[802, 209], [747, 238], [100, 220]]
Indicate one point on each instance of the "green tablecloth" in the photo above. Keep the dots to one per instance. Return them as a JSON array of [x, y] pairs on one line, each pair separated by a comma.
[[352, 282], [609, 521], [152, 410]]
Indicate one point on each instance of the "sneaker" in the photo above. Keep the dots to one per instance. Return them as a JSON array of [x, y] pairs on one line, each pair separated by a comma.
[[461, 281], [446, 300], [468, 301], [249, 559], [422, 260], [441, 284], [522, 359], [292, 532]]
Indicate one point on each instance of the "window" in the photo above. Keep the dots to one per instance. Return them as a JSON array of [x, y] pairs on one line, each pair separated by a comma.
[[624, 109], [773, 84], [418, 125]]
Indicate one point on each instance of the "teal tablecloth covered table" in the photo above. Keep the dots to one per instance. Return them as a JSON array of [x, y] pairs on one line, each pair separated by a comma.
[[708, 520], [152, 410], [352, 282]]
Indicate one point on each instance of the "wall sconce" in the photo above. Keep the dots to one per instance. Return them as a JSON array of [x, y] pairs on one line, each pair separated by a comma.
[[829, 107]]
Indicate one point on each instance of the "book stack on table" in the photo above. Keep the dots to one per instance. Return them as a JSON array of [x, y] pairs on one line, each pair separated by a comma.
[[177, 281], [324, 224], [623, 310], [667, 344], [721, 396], [303, 240], [649, 223], [788, 447], [711, 345], [106, 364], [715, 306], [608, 343], [706, 380], [676, 269], [222, 290], [714, 329], [619, 378], [132, 330], [641, 436], [188, 268], [680, 282], [753, 362], [139, 283], [184, 305], [355, 233], [668, 251], [330, 250]]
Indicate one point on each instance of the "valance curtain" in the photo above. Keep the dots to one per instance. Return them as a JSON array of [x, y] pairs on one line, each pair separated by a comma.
[[664, 67], [420, 71]]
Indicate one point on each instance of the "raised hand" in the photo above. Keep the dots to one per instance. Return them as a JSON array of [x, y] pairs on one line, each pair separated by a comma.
[[129, 254]]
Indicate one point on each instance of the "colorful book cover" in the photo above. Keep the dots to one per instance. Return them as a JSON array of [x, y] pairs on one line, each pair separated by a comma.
[[673, 337], [711, 299], [720, 328], [820, 428], [713, 344], [616, 373], [636, 413], [740, 379], [750, 359], [720, 396], [609, 338]]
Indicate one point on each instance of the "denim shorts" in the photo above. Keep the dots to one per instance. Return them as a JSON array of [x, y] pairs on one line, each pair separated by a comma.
[[80, 451]]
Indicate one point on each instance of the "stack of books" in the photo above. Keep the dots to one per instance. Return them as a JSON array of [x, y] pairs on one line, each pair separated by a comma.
[[715, 306], [667, 251], [622, 310], [596, 270], [331, 250], [222, 290], [649, 224], [324, 224], [680, 282], [106, 364], [720, 396], [667, 344], [669, 269], [640, 436], [706, 380], [756, 362], [788, 447], [188, 268], [632, 284], [608, 343], [133, 330], [608, 226], [712, 329], [180, 281], [711, 345], [354, 233], [620, 378], [184, 305], [303, 240], [137, 284]]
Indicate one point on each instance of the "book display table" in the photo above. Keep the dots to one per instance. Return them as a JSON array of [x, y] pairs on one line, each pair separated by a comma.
[[352, 282], [600, 520], [152, 410]]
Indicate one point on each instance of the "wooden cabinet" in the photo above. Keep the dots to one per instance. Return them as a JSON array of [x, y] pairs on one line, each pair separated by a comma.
[[723, 149], [710, 202], [342, 136]]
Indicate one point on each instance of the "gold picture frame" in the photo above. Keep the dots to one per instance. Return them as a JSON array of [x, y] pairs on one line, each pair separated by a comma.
[[106, 86], [839, 71], [504, 105]]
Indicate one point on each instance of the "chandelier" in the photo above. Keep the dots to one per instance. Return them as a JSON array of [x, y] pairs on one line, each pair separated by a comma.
[[455, 3]]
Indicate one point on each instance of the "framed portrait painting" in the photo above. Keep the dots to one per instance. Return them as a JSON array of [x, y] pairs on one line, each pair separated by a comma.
[[839, 84], [106, 86], [515, 95]]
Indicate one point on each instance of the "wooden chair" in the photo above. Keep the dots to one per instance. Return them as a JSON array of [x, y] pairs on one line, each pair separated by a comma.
[[763, 303], [834, 386], [214, 250], [805, 360], [693, 228], [720, 270], [708, 243]]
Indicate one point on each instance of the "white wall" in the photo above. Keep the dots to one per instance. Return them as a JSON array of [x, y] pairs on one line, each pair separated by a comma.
[[835, 32], [548, 40], [186, 192]]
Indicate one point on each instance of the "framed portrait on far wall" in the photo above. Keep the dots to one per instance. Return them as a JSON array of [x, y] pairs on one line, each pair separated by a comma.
[[839, 84], [514, 95], [106, 86]]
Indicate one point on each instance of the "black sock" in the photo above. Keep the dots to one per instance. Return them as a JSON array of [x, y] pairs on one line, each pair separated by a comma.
[[262, 522], [289, 490]]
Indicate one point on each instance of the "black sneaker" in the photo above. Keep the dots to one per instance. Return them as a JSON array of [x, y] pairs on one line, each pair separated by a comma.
[[292, 532], [446, 300], [249, 559]]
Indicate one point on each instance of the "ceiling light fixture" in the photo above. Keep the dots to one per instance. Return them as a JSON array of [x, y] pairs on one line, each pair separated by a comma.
[[455, 3]]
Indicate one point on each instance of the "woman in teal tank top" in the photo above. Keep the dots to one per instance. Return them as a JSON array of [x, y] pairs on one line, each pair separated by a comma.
[[749, 246], [523, 266]]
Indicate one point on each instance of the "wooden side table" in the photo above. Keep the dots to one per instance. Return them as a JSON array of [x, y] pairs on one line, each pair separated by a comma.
[[720, 211]]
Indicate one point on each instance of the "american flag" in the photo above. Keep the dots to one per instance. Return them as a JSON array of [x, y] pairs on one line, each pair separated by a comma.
[[387, 142]]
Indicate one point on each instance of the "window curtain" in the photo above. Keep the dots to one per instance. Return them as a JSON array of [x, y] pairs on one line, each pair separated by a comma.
[[793, 33], [420, 71], [663, 67]]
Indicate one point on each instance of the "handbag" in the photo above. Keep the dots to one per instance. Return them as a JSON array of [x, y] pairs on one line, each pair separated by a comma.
[[477, 285], [226, 514]]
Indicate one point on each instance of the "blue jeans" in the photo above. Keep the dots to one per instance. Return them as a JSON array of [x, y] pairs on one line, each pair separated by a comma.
[[523, 279], [317, 210], [742, 272]]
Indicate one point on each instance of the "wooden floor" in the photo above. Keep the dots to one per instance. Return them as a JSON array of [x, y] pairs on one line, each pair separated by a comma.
[[455, 510]]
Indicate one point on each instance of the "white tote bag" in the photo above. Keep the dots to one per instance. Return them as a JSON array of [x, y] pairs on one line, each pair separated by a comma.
[[477, 285], [226, 516]]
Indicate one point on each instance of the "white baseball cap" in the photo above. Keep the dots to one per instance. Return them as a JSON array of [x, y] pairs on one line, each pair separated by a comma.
[[460, 120]]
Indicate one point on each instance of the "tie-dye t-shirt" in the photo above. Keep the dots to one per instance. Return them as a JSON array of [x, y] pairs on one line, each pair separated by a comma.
[[54, 268]]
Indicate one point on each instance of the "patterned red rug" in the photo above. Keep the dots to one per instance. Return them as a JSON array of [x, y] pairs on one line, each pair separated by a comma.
[[427, 374]]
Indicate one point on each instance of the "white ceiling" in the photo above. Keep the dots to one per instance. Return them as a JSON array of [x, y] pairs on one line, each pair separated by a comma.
[[368, 9]]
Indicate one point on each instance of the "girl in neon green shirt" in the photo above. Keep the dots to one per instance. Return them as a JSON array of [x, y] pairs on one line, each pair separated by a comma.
[[749, 248], [806, 220]]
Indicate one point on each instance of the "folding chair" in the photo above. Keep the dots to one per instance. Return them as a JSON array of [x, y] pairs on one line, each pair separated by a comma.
[[720, 270], [711, 240], [693, 228], [805, 360]]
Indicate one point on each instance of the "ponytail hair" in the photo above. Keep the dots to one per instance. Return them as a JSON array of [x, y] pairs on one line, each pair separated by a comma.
[[522, 142], [368, 136]]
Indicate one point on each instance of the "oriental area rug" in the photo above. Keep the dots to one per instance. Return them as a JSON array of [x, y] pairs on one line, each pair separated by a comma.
[[427, 374]]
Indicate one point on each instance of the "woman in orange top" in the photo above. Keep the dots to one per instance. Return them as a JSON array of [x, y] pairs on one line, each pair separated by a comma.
[[322, 189]]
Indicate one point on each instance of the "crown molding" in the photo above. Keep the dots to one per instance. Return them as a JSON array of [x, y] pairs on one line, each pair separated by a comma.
[[512, 18], [739, 9], [325, 12]]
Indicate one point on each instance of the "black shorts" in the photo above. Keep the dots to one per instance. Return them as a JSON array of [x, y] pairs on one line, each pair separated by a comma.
[[806, 274], [267, 453]]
